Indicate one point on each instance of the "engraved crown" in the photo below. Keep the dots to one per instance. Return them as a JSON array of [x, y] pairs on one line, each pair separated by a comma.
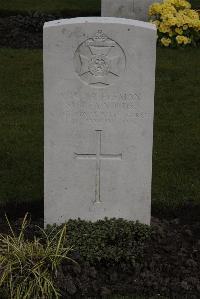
[[100, 36]]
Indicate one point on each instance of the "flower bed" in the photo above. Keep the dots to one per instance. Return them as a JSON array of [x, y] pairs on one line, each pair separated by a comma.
[[167, 263], [178, 25]]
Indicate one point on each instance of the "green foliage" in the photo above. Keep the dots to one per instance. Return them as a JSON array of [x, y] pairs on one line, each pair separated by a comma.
[[28, 268], [109, 240], [178, 25]]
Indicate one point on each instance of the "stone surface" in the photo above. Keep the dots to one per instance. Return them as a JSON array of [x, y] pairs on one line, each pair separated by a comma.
[[99, 78], [131, 9]]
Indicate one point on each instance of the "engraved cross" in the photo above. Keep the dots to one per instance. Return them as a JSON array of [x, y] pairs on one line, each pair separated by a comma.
[[98, 157]]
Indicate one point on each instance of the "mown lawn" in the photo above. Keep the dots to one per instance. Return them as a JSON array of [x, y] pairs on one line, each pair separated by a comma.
[[68, 7], [21, 125], [176, 158]]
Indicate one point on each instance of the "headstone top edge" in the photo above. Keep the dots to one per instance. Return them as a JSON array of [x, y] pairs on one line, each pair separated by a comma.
[[100, 20]]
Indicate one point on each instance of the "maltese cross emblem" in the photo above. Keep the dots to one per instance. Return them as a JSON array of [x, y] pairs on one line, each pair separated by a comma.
[[99, 61]]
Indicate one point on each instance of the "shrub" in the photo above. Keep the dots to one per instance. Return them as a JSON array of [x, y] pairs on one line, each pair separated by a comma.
[[108, 241], [28, 268], [31, 269], [178, 25]]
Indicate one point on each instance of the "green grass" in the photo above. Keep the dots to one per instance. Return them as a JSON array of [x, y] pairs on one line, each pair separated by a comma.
[[68, 7], [21, 125], [176, 159]]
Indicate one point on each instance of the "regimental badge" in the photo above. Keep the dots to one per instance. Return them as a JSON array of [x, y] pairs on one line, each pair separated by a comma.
[[99, 61]]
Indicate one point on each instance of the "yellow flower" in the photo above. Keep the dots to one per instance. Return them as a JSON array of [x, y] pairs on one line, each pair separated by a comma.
[[185, 27], [179, 3], [163, 28], [183, 40], [172, 21], [154, 9], [191, 13], [156, 22], [165, 41], [179, 31], [173, 18]]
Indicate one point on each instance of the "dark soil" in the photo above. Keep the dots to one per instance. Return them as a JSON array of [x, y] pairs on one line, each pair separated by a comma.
[[170, 266], [23, 31]]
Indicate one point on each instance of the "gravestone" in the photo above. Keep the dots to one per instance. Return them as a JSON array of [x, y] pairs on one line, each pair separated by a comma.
[[130, 9], [99, 78]]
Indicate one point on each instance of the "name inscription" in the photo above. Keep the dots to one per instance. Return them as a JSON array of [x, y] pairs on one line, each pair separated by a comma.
[[101, 107]]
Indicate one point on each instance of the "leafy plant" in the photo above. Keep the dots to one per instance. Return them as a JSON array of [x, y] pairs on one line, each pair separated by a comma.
[[178, 25], [109, 240], [28, 268]]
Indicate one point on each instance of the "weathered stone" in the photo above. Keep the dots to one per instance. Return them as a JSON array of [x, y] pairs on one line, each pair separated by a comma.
[[130, 9], [99, 78]]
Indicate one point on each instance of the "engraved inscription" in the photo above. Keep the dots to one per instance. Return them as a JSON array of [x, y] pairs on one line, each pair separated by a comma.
[[102, 117], [103, 107], [98, 157], [99, 61]]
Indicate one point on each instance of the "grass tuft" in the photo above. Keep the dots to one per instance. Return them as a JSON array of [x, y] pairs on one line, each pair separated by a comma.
[[28, 268]]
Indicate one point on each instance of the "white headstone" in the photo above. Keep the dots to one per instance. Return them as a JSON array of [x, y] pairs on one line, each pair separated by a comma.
[[130, 9], [99, 78]]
